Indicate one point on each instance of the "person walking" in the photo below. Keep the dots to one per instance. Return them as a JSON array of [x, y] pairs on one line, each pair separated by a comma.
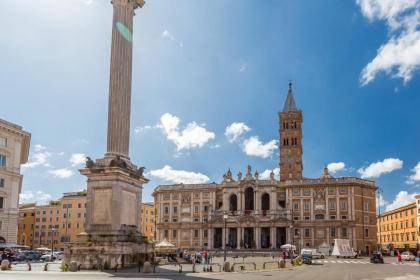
[[399, 260]]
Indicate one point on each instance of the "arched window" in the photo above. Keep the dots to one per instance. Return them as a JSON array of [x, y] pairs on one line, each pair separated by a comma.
[[319, 217], [233, 203], [249, 199]]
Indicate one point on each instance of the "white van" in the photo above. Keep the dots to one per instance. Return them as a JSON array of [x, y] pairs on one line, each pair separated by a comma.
[[315, 254]]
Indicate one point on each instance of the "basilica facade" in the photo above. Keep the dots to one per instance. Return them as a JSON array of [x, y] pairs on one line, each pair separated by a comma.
[[246, 212]]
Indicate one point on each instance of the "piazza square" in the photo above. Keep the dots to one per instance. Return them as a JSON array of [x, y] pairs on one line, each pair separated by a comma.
[[225, 141]]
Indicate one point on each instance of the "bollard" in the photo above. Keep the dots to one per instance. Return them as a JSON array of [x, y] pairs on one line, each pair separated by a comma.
[[180, 268], [193, 268], [211, 268], [29, 266], [46, 267]]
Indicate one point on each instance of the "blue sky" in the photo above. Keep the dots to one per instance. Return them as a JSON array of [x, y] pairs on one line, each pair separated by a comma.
[[201, 66]]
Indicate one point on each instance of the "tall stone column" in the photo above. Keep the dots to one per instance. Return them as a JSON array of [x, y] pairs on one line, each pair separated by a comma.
[[119, 102]]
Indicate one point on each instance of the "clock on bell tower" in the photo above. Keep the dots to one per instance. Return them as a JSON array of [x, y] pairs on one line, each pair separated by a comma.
[[290, 122]]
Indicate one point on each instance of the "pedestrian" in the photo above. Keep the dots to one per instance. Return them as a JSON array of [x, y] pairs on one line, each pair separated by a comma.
[[399, 260]]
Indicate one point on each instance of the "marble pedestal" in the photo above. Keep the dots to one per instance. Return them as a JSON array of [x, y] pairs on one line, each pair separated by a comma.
[[112, 238]]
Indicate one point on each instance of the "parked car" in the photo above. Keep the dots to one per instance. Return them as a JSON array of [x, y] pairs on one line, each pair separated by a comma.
[[376, 257], [56, 256], [408, 256], [32, 255]]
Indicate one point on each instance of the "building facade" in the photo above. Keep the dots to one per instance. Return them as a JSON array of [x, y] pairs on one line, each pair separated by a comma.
[[60, 221], [398, 229], [249, 212], [417, 197], [26, 224], [147, 219], [14, 151]]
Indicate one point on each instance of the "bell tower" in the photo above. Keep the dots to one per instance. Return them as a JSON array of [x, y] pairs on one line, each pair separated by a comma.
[[290, 123]]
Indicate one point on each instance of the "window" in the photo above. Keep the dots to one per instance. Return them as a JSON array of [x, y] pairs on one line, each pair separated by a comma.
[[205, 233], [195, 208], [366, 206], [332, 217], [296, 218], [306, 218], [295, 205], [296, 232], [344, 232], [175, 209], [174, 220], [206, 208], [174, 233], [166, 233], [344, 217], [3, 141], [79, 205], [196, 220], [343, 204], [196, 233], [343, 191], [166, 210], [319, 217], [332, 191], [366, 232], [306, 206], [296, 192], [2, 160], [366, 219], [307, 232], [332, 204], [1, 183], [306, 192]]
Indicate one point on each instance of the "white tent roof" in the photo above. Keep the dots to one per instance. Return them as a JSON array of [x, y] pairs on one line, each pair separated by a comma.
[[288, 247], [164, 243]]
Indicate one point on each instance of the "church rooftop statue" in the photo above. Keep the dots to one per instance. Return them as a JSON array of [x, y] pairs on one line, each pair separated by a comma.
[[289, 104]]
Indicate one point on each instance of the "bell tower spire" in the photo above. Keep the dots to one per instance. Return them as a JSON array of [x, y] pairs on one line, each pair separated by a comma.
[[290, 123]]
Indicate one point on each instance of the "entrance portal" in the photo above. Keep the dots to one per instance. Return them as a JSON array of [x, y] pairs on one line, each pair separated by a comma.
[[249, 238], [218, 241], [232, 243], [265, 238], [280, 236]]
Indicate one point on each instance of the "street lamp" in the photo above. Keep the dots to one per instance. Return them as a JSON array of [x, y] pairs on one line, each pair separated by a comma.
[[52, 242], [225, 217]]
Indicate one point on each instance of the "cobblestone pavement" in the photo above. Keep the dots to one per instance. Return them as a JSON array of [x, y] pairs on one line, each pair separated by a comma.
[[326, 269]]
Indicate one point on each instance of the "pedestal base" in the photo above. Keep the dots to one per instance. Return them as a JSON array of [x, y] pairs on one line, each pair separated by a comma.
[[108, 251]]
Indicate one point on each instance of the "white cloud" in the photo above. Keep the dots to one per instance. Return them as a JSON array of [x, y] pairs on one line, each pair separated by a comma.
[[333, 167], [243, 67], [265, 175], [400, 56], [61, 173], [40, 157], [168, 35], [193, 136], [77, 159], [179, 176], [416, 176], [235, 130], [140, 129], [254, 147], [381, 167], [38, 196], [401, 199]]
